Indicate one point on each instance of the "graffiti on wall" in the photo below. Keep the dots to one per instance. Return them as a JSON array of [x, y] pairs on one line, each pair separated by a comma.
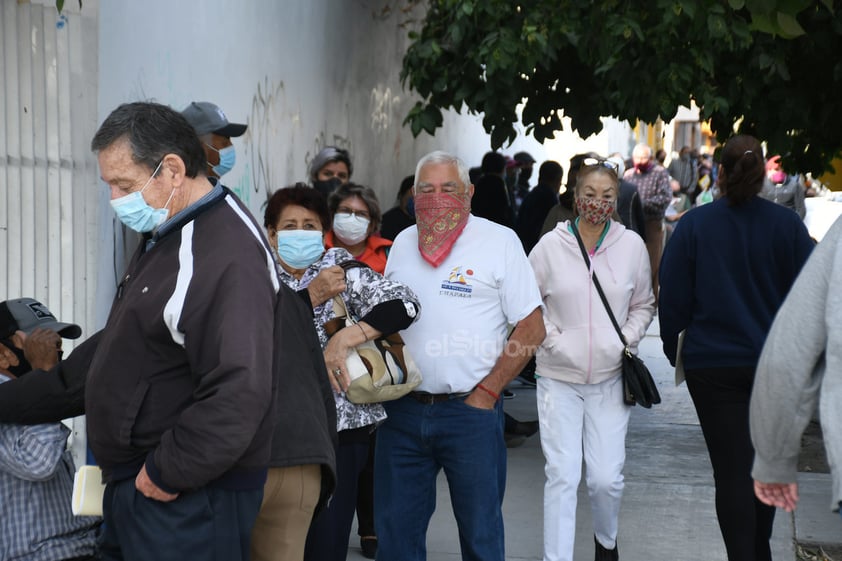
[[265, 146], [383, 105]]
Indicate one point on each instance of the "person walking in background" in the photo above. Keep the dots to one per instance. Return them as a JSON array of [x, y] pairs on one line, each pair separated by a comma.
[[725, 273], [491, 197], [629, 206], [653, 186], [795, 373], [402, 215], [525, 164], [179, 392], [783, 189], [580, 388], [215, 133], [685, 170], [474, 282], [677, 208], [537, 204]]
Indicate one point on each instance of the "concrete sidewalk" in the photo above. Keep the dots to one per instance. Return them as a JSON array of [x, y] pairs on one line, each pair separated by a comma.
[[668, 503]]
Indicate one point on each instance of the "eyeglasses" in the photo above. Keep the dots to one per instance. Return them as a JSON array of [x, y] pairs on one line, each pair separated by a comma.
[[355, 213], [599, 162]]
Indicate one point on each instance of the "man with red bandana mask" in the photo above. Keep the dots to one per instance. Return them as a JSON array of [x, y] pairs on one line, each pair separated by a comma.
[[474, 282], [653, 186]]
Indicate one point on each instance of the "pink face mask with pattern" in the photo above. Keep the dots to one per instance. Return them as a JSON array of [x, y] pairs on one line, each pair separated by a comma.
[[596, 211]]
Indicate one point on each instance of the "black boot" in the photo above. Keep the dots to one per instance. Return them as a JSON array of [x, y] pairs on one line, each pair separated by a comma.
[[602, 554]]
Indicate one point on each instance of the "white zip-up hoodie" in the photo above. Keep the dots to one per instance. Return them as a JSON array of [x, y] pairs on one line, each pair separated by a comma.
[[582, 346]]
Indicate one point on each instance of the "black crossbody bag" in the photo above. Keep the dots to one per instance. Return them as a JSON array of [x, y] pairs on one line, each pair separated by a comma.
[[638, 386]]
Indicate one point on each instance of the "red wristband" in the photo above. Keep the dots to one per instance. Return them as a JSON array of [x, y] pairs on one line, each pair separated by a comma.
[[496, 396]]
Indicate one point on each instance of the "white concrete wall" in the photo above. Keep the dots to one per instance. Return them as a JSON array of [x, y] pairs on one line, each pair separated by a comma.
[[301, 74]]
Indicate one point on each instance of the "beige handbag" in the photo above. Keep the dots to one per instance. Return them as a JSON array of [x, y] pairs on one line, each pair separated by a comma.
[[380, 369]]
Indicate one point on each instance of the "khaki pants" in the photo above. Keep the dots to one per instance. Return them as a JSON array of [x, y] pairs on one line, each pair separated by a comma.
[[655, 247], [289, 499]]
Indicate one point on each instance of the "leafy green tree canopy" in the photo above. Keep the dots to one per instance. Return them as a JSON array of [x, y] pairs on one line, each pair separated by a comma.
[[770, 68]]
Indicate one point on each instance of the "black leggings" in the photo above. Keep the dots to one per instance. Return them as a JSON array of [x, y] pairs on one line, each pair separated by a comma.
[[721, 397]]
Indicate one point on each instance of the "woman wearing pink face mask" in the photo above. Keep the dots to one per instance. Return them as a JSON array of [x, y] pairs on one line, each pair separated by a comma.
[[783, 189], [580, 390]]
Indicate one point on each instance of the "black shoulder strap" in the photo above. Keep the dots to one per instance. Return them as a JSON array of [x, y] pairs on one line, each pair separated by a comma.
[[598, 287], [352, 264]]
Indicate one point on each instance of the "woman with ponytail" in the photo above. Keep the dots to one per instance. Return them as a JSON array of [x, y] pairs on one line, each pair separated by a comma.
[[725, 271]]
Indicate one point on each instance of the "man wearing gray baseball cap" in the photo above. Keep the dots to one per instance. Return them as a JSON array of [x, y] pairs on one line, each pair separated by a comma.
[[215, 132], [36, 470], [27, 318]]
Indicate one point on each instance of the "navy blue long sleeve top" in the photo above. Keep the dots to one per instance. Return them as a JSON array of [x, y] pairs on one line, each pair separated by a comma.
[[724, 274]]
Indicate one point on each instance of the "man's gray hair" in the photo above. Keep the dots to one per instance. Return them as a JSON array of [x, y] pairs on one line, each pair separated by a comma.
[[441, 157], [642, 147]]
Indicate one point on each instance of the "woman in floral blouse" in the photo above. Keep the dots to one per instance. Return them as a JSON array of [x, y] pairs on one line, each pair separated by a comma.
[[296, 220]]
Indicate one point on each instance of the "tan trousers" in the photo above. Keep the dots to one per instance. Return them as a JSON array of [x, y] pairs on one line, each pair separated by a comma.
[[655, 247], [289, 499]]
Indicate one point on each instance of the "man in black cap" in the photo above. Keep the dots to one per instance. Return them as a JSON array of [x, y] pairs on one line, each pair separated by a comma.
[[215, 132], [26, 318], [36, 471], [43, 388]]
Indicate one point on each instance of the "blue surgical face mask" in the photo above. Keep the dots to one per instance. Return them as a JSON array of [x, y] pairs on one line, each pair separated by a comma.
[[227, 159], [410, 206], [300, 248], [135, 212]]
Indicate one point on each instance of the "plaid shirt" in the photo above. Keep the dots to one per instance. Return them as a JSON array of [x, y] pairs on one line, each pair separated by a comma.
[[654, 189], [36, 483]]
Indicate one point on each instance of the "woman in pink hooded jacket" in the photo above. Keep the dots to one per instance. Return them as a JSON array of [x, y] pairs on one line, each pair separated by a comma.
[[580, 390]]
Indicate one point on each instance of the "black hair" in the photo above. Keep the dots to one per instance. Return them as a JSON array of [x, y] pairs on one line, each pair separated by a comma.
[[743, 169], [550, 172], [299, 194], [153, 131], [493, 162], [406, 184]]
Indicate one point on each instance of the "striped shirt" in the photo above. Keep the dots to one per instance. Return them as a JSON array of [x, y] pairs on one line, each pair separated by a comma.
[[36, 483]]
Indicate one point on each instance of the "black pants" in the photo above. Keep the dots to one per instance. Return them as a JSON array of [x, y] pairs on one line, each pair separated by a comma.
[[365, 493], [721, 397], [202, 525]]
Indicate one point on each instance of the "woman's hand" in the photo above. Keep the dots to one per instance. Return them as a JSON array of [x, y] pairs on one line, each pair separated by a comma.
[[336, 354], [328, 283], [780, 495]]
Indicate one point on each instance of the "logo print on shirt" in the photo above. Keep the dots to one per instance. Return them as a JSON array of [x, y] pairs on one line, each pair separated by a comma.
[[458, 283]]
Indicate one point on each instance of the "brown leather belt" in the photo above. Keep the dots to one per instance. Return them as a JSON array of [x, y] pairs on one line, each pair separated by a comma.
[[430, 398]]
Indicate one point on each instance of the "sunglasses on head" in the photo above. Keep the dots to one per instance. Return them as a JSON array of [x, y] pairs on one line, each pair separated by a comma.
[[600, 162]]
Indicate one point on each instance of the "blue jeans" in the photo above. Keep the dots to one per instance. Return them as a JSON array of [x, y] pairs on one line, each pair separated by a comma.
[[413, 445]]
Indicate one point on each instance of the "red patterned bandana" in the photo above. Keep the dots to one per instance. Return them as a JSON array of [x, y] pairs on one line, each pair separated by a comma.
[[441, 217], [596, 211]]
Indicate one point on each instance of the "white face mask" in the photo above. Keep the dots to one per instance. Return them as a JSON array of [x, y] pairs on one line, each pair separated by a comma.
[[350, 228]]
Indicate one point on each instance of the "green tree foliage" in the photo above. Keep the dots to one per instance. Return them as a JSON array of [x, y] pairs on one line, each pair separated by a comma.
[[770, 68]]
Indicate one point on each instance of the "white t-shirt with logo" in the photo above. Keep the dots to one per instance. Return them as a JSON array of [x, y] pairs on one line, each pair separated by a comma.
[[467, 303]]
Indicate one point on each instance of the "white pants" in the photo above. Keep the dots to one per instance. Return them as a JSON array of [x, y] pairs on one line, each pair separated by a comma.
[[579, 420]]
